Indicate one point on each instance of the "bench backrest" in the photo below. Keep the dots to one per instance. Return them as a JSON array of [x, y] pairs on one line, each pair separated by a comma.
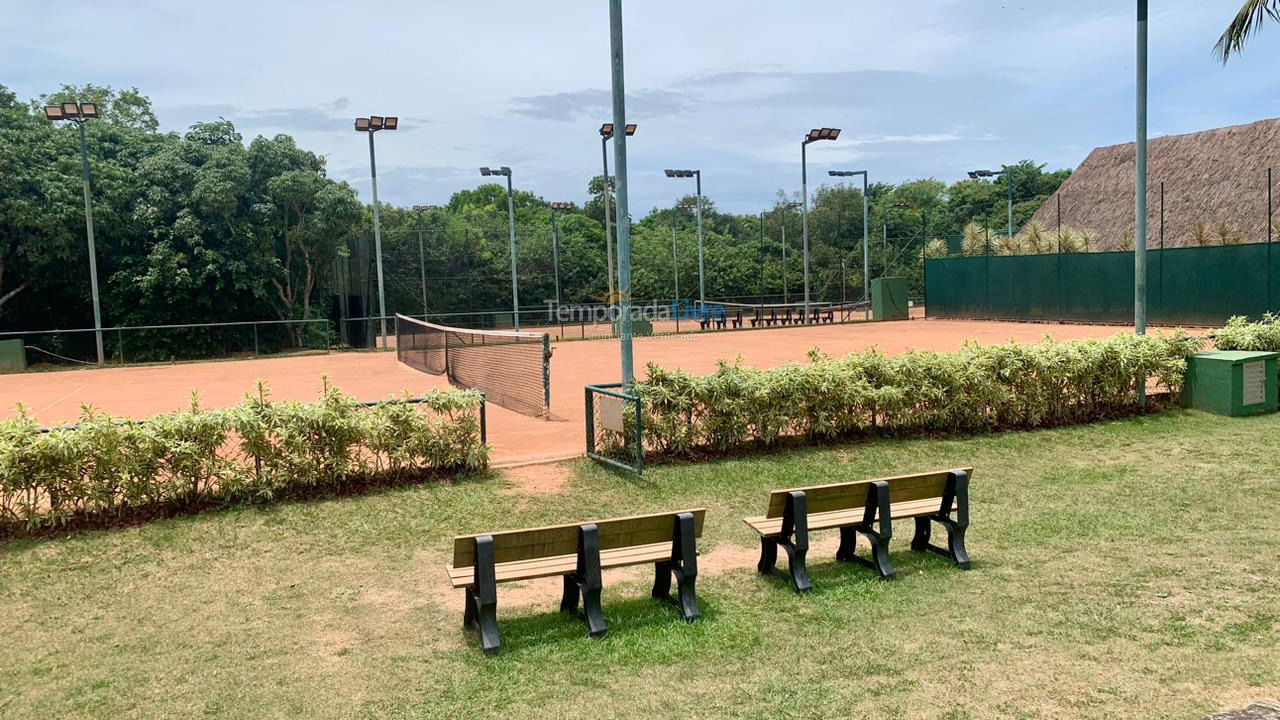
[[514, 545], [852, 495]]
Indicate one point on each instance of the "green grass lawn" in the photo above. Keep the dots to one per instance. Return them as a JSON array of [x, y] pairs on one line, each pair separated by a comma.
[[1126, 570]]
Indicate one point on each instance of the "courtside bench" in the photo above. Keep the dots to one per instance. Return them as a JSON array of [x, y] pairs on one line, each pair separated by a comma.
[[869, 508], [579, 553]]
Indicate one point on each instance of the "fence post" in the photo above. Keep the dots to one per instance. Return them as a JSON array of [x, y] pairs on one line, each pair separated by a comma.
[[255, 340]]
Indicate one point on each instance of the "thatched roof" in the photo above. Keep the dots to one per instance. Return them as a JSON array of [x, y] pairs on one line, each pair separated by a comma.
[[1209, 177]]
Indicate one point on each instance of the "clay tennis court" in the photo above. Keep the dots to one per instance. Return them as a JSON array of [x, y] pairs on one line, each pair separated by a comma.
[[54, 398]]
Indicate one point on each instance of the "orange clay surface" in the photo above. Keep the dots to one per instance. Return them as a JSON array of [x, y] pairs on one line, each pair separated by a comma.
[[54, 398]]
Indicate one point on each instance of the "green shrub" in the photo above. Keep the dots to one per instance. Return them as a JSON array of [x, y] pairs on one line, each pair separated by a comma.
[[106, 468], [978, 389], [1240, 334]]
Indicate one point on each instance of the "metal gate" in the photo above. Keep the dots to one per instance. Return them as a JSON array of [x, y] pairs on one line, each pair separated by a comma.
[[615, 427]]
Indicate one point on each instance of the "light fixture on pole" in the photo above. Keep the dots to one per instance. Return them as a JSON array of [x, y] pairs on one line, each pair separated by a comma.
[[866, 232], [555, 243], [371, 125], [697, 176], [78, 113], [1008, 181], [422, 258], [606, 134], [814, 135], [505, 171]]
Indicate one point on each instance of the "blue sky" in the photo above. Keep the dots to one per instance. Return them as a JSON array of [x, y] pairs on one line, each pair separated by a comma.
[[924, 89]]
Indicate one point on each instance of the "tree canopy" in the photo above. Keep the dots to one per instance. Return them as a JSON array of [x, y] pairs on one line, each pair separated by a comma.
[[204, 227]]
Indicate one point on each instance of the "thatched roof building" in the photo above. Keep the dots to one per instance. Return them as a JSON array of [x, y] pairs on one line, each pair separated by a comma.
[[1215, 179]]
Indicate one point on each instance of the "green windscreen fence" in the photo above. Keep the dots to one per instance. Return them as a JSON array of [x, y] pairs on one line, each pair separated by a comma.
[[1185, 286]]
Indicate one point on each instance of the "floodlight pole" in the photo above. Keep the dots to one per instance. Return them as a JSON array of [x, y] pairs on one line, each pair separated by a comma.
[[620, 162], [702, 285], [782, 221], [555, 254], [1140, 196], [93, 256], [604, 194], [422, 262], [377, 241], [762, 256], [1008, 181], [675, 265], [804, 220], [511, 227]]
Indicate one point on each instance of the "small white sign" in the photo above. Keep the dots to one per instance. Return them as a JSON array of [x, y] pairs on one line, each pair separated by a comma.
[[1255, 383], [610, 409]]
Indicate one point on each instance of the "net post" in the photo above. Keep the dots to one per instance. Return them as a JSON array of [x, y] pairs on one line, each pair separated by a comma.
[[591, 420], [484, 419], [546, 372]]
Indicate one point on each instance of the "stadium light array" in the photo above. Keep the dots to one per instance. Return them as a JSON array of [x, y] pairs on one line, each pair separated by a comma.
[[371, 125], [79, 112], [814, 135]]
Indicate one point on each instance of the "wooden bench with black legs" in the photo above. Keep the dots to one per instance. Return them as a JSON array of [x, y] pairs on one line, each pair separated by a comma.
[[579, 553], [869, 508]]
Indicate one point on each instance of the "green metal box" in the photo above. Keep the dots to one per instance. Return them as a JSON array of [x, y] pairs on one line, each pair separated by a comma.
[[889, 299], [13, 356], [1232, 382]]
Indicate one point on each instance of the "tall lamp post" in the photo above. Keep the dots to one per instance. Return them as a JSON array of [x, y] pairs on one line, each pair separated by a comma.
[[866, 232], [702, 285], [557, 207], [675, 267], [814, 135], [371, 125], [1140, 195], [606, 134], [505, 171], [619, 97], [78, 113], [1008, 181], [782, 225], [422, 256]]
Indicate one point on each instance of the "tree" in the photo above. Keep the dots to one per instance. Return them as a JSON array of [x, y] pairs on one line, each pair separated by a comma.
[[1247, 22]]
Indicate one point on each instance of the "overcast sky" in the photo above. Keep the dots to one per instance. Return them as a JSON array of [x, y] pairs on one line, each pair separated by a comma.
[[921, 89]]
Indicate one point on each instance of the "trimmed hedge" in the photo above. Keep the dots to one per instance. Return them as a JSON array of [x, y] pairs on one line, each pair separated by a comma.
[[1240, 334], [106, 468], [978, 389]]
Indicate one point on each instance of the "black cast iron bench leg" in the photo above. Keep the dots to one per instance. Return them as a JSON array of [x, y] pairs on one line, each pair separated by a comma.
[[684, 566], [481, 612]]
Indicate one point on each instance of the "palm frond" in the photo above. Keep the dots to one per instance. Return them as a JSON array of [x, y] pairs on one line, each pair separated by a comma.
[[1247, 22]]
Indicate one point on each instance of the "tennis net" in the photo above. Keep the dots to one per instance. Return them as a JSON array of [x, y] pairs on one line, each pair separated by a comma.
[[512, 369]]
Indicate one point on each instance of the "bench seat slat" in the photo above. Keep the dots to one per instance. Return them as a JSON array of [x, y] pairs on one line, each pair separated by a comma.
[[461, 577], [769, 526]]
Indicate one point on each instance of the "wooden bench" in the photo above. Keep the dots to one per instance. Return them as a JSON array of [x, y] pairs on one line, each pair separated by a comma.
[[941, 496], [578, 553]]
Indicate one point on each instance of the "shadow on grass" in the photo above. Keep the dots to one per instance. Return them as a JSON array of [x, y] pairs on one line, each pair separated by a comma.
[[633, 620]]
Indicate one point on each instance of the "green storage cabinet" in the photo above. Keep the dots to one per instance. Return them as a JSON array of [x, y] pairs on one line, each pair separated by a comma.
[[889, 299], [639, 327], [13, 356], [1232, 382]]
